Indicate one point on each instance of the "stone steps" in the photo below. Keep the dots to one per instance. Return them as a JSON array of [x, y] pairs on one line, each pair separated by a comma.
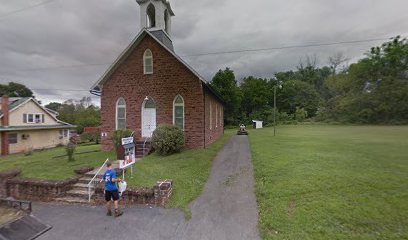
[[79, 200]]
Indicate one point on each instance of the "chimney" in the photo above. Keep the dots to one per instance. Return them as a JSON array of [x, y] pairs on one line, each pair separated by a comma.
[[4, 151], [5, 110]]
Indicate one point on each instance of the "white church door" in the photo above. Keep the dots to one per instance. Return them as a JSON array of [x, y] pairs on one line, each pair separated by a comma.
[[148, 117]]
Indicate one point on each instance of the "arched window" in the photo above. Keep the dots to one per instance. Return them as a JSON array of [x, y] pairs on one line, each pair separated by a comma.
[[216, 116], [151, 16], [120, 114], [178, 112], [148, 62]]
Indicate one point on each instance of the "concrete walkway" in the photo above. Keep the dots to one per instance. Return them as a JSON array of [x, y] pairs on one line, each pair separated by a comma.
[[225, 210]]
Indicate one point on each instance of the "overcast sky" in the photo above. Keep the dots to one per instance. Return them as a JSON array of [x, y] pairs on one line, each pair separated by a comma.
[[68, 44]]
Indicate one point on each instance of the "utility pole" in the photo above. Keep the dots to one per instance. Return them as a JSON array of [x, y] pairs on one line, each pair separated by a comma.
[[274, 111]]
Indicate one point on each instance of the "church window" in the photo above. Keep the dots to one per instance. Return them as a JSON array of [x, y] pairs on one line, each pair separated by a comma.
[[178, 112], [120, 114], [148, 62]]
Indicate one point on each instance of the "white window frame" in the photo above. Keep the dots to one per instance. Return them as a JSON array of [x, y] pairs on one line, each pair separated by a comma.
[[116, 115], [211, 115], [174, 110], [216, 116], [145, 58], [34, 115]]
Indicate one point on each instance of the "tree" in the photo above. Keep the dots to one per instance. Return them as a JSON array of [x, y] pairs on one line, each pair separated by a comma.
[[257, 96], [226, 85], [374, 90], [336, 60], [81, 113], [13, 89]]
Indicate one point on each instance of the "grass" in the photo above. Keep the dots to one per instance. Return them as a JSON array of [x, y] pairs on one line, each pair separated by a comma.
[[189, 170], [42, 165], [332, 182]]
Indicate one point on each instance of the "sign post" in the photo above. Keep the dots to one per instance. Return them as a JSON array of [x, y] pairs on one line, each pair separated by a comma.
[[130, 155]]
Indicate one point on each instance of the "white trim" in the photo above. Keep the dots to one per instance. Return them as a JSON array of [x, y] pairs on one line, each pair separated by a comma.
[[211, 115], [116, 109], [174, 110]]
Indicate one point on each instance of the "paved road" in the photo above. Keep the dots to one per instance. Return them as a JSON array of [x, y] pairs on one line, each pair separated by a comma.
[[225, 210]]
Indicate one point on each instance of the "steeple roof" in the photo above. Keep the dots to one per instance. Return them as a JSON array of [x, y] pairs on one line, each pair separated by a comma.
[[166, 2]]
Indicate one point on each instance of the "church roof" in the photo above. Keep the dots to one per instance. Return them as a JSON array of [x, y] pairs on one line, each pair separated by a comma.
[[166, 2], [125, 54]]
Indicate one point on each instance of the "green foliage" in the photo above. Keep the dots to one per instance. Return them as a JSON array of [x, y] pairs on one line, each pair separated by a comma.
[[374, 90], [168, 139], [91, 137], [80, 113], [118, 135], [300, 114], [226, 85], [70, 149], [331, 182], [13, 89]]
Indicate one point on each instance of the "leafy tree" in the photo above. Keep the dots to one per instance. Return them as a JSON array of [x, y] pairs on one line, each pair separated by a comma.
[[13, 89], [225, 83], [80, 113], [256, 96]]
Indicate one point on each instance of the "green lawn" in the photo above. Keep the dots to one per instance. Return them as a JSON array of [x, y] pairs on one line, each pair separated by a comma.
[[42, 165], [332, 182], [189, 169]]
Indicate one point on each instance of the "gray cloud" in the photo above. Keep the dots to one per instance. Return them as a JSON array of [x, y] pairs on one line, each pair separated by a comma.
[[79, 32]]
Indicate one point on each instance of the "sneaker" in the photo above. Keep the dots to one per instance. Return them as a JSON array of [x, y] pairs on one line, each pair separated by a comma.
[[118, 213], [109, 213]]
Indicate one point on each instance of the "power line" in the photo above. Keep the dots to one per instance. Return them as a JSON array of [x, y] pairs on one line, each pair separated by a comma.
[[221, 53], [25, 9]]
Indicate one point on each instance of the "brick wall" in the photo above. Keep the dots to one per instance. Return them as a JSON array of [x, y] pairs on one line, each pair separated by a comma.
[[170, 78], [215, 128]]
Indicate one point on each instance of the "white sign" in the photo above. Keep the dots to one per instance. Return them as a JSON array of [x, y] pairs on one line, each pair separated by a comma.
[[126, 141]]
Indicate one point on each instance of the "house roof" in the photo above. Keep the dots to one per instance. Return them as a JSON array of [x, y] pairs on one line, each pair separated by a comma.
[[15, 103], [126, 53], [41, 127]]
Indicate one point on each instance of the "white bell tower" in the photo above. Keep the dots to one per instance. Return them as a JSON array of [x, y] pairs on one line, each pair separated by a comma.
[[156, 15]]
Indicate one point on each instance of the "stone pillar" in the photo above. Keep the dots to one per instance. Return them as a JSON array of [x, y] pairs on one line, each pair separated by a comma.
[[162, 191]]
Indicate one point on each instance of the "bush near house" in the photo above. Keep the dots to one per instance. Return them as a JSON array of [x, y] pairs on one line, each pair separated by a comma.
[[168, 139]]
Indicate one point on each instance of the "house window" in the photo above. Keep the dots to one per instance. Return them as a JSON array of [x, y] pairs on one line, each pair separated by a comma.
[[216, 116], [63, 133], [33, 118], [12, 137], [210, 115], [178, 112], [120, 114], [148, 62]]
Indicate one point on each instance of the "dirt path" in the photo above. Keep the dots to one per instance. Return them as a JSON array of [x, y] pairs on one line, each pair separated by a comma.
[[225, 210]]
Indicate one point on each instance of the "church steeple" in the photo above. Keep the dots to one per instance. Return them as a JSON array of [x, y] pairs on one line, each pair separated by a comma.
[[156, 15]]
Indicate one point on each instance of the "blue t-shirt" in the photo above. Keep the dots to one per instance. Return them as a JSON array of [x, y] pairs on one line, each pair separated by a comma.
[[107, 177]]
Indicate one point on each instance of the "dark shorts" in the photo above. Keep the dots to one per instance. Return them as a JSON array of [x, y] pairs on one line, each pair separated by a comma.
[[111, 195]]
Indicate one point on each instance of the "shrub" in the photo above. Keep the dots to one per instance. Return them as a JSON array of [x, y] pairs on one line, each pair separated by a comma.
[[70, 148], [168, 139], [91, 137], [118, 135], [300, 114]]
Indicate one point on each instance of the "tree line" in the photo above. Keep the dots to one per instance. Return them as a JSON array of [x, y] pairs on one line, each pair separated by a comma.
[[372, 91]]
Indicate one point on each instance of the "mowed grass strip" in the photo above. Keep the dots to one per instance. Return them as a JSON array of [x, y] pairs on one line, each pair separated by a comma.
[[332, 182], [43, 164]]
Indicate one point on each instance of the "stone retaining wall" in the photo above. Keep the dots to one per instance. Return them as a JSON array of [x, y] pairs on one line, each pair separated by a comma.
[[158, 195], [37, 190], [4, 177]]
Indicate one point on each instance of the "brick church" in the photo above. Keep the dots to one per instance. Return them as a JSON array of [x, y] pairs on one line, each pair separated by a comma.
[[149, 85]]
